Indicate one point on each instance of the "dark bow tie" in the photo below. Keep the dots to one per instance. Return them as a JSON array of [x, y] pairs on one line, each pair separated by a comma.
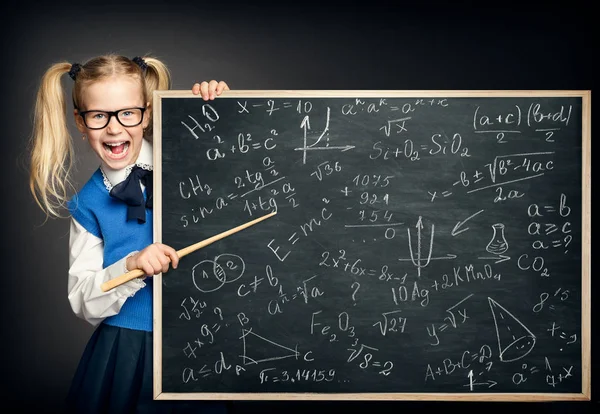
[[130, 192]]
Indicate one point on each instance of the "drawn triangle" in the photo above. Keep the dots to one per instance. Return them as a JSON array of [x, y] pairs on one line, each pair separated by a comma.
[[270, 350], [514, 339]]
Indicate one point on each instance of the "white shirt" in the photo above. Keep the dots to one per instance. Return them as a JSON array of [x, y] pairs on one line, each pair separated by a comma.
[[86, 253]]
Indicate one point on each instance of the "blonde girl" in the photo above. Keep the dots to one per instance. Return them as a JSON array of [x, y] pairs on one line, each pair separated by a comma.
[[110, 221]]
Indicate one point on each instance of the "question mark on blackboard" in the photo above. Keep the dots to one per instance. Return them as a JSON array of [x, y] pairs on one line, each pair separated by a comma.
[[355, 290], [567, 240]]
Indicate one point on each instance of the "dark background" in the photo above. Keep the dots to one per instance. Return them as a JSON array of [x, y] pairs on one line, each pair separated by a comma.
[[260, 45]]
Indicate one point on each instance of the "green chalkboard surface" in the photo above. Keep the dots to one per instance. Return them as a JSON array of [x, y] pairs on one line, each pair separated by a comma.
[[426, 245]]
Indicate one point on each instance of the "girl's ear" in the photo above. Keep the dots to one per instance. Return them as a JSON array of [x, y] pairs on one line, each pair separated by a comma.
[[79, 121]]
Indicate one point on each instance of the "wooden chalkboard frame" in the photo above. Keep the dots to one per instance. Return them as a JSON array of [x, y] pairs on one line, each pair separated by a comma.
[[585, 393]]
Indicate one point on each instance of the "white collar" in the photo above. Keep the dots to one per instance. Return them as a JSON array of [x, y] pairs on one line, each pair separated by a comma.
[[114, 177]]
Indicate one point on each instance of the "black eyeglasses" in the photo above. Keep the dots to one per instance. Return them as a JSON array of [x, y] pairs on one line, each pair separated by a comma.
[[128, 117]]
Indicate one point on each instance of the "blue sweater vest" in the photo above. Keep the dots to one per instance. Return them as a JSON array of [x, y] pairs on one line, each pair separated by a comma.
[[106, 218]]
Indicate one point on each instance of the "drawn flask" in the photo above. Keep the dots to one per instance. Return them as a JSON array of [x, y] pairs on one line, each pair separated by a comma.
[[498, 243]]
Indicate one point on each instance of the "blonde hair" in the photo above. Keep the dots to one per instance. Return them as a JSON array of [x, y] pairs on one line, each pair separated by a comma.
[[52, 151]]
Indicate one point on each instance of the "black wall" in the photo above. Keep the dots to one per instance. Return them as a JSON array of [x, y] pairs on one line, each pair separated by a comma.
[[262, 46]]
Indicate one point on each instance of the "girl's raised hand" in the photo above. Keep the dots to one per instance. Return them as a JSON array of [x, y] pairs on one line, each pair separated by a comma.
[[209, 89], [154, 259]]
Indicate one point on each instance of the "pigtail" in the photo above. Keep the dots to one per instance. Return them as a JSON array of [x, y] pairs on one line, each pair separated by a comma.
[[51, 144], [157, 77]]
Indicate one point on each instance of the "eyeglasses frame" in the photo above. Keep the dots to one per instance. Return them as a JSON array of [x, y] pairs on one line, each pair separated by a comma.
[[110, 115]]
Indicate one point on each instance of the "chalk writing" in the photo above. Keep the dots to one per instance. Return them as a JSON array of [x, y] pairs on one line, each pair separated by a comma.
[[421, 244]]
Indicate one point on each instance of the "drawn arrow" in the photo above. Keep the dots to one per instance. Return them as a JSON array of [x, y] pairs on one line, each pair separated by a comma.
[[305, 124], [502, 258], [455, 230], [471, 384], [340, 147], [419, 227], [489, 383]]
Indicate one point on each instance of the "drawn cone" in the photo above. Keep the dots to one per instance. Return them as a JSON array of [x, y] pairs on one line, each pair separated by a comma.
[[514, 339]]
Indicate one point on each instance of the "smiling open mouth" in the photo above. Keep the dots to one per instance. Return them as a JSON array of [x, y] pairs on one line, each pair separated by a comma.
[[116, 148]]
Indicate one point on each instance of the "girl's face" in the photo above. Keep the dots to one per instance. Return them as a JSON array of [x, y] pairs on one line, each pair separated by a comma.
[[117, 145]]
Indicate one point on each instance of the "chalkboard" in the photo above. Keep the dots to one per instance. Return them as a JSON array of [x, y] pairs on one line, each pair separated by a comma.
[[426, 245]]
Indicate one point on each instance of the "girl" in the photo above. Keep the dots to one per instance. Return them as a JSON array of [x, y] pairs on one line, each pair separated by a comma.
[[111, 221]]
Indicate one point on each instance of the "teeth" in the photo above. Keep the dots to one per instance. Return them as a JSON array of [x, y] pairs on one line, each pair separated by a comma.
[[110, 147]]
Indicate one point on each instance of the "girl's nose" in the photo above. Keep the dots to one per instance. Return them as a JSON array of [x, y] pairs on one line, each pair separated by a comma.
[[114, 127]]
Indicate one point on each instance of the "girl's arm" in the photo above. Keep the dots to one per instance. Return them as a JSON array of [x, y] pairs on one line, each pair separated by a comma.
[[86, 274]]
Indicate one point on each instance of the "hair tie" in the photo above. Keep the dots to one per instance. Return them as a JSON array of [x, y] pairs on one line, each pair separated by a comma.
[[140, 62], [75, 68]]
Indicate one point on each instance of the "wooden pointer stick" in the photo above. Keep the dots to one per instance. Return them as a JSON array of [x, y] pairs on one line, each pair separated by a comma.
[[106, 286]]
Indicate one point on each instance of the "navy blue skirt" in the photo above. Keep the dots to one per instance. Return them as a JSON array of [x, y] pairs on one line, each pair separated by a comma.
[[115, 376]]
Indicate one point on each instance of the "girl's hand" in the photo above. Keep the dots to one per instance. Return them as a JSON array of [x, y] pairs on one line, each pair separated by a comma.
[[209, 90], [154, 259]]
